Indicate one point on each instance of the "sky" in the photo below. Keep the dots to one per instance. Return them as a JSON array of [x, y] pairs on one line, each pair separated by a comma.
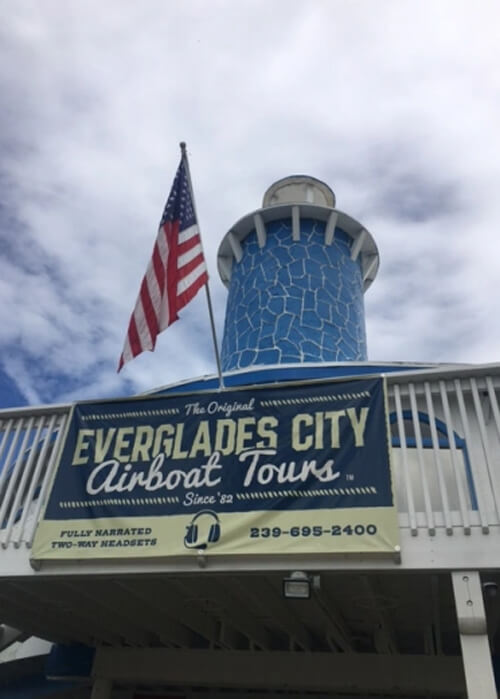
[[394, 103]]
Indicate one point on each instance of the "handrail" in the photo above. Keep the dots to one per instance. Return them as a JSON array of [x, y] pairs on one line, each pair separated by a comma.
[[35, 411], [30, 441], [453, 478]]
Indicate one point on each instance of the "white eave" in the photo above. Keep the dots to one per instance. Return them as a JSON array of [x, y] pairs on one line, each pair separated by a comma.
[[363, 243]]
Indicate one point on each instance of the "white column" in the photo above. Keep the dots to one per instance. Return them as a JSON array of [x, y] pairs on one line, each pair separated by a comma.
[[476, 652], [101, 689]]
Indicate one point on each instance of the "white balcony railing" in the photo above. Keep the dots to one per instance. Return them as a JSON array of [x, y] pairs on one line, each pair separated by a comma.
[[29, 440], [446, 448]]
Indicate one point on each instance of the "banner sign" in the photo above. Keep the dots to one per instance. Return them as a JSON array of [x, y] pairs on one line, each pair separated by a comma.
[[260, 471]]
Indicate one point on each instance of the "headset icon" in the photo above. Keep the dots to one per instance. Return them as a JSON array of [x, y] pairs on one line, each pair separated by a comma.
[[191, 537]]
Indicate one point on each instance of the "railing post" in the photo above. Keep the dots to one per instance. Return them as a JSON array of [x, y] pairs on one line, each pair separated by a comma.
[[472, 626]]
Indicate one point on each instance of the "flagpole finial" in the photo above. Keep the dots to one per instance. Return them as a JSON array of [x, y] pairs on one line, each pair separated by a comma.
[[183, 147]]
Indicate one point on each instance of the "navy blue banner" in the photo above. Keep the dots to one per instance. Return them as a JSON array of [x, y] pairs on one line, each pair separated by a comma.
[[229, 451], [291, 469]]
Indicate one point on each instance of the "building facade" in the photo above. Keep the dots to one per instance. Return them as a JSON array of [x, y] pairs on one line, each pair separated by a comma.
[[414, 618]]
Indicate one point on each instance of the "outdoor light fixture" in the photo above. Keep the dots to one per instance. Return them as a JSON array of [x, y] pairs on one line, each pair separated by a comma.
[[297, 586]]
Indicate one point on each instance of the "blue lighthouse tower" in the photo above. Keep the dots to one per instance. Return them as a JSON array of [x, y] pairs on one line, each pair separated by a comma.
[[296, 271]]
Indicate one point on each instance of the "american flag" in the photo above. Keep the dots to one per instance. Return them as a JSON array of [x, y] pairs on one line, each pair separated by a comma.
[[176, 271]]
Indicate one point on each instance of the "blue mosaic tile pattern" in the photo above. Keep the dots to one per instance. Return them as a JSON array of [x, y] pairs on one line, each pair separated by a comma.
[[294, 301]]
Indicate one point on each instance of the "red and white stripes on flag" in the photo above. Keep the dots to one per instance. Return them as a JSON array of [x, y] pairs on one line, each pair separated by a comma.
[[176, 271]]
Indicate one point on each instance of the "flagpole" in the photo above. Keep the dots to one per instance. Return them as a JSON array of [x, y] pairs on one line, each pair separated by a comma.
[[207, 289]]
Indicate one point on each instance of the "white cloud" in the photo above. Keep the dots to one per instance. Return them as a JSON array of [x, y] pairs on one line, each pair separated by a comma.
[[397, 109]]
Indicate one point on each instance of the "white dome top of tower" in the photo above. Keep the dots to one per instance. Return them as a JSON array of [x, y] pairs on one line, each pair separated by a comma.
[[299, 189]]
